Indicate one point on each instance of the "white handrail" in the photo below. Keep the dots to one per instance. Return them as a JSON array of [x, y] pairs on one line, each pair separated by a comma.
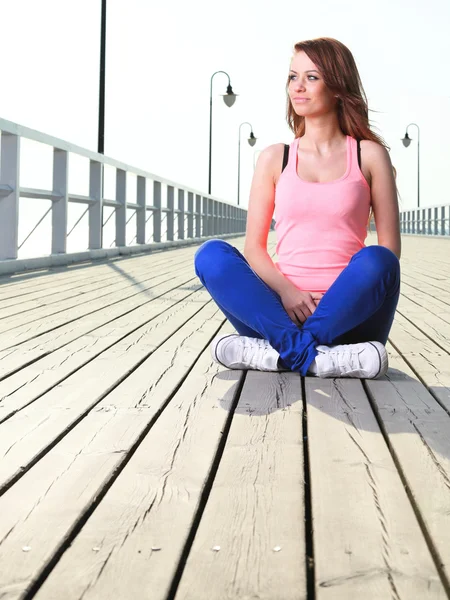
[[428, 220], [206, 215]]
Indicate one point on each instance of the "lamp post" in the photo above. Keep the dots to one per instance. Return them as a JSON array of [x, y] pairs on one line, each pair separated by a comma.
[[406, 142], [101, 108], [252, 142], [229, 99]]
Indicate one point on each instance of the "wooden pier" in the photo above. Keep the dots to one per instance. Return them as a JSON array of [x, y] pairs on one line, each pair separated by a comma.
[[135, 467]]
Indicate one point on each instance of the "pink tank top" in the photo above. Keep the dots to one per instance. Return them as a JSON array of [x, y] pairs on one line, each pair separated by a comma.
[[319, 226]]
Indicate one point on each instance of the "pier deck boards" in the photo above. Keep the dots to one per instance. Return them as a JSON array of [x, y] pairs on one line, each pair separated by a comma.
[[133, 466]]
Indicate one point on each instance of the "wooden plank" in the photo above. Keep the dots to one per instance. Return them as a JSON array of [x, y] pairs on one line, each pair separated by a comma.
[[16, 336], [423, 356], [122, 314], [58, 292], [367, 542], [39, 326], [155, 498], [419, 436], [434, 296], [29, 432], [27, 346], [256, 504], [433, 325], [22, 283], [29, 383], [91, 299]]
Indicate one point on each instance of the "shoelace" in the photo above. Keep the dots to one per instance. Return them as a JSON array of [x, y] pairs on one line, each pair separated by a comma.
[[346, 360], [248, 353]]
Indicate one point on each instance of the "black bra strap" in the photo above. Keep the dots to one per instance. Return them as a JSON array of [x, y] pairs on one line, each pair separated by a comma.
[[285, 156]]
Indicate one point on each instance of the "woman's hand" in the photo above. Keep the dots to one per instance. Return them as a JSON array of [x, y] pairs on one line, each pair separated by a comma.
[[299, 305]]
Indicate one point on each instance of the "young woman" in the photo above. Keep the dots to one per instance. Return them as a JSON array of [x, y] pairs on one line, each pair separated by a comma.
[[327, 306]]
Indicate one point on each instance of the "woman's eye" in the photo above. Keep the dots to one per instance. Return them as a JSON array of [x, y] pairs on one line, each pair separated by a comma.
[[291, 77]]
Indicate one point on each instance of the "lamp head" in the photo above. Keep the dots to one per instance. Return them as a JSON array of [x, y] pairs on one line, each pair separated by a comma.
[[406, 140], [252, 139], [230, 97]]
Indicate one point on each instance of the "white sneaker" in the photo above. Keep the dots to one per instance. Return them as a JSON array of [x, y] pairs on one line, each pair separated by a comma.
[[368, 360], [242, 352]]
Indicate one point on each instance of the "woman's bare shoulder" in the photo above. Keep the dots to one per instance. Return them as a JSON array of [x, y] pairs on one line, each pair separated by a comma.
[[272, 157]]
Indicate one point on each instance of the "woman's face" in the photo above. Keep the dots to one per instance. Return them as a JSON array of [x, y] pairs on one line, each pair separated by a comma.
[[305, 81]]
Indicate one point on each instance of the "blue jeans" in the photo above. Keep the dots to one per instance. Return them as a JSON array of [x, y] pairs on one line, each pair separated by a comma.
[[358, 307]]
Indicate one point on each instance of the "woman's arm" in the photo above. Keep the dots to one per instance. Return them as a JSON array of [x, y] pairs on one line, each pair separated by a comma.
[[261, 207], [384, 195]]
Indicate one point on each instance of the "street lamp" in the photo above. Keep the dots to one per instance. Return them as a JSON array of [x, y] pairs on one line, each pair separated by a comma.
[[252, 142], [406, 142], [229, 99]]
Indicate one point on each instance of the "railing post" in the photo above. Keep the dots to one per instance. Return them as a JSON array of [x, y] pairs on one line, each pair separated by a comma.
[[442, 220], [181, 214], [190, 220], [198, 216], [141, 212], [215, 217], [435, 220], [95, 210], [9, 205], [210, 217], [170, 198], [60, 207], [205, 217], [121, 211], [157, 211], [221, 209]]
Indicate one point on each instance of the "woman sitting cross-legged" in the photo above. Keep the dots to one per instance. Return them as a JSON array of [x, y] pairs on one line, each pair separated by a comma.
[[327, 306]]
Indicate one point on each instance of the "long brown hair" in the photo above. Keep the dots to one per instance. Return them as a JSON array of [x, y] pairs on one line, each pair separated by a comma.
[[340, 74]]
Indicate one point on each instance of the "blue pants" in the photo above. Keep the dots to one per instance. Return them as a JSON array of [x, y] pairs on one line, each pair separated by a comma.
[[358, 307]]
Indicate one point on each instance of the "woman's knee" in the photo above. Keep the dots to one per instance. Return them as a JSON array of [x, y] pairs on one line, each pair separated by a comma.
[[379, 260], [211, 256]]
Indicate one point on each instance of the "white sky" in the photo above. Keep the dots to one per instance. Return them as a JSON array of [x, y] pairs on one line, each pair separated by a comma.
[[160, 58]]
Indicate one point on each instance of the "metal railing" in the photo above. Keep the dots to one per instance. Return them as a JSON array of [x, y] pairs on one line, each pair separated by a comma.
[[431, 220], [206, 216]]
